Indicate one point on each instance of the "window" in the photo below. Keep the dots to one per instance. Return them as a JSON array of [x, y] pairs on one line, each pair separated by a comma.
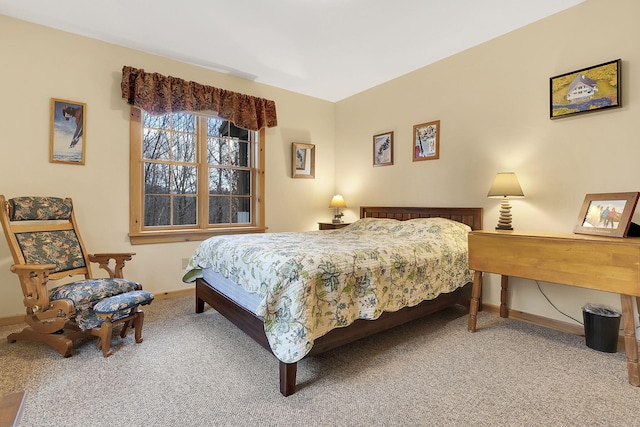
[[193, 176]]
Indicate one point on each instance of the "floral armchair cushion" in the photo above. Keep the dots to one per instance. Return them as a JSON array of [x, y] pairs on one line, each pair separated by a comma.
[[60, 247], [86, 293], [40, 208]]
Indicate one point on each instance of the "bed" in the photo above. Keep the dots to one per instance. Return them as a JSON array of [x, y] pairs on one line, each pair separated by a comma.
[[315, 291]]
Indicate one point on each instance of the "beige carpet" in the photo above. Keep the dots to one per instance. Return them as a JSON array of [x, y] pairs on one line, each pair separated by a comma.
[[199, 370]]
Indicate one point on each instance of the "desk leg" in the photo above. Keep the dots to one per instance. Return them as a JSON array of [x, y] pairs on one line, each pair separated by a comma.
[[476, 292], [630, 343], [504, 288]]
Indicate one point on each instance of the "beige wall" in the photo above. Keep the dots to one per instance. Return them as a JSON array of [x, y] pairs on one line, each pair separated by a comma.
[[40, 63], [492, 101], [493, 104]]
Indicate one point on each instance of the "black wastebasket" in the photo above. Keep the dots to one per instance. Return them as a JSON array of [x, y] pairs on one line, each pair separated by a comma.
[[601, 326]]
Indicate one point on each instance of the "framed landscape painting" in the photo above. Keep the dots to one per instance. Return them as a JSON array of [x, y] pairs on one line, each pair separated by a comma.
[[589, 89]]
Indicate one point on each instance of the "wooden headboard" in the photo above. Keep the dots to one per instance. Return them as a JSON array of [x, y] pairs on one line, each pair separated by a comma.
[[470, 216]]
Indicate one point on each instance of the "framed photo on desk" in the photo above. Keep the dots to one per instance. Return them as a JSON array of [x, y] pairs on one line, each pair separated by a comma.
[[607, 214]]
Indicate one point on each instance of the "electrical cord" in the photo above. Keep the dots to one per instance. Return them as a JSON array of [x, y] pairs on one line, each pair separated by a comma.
[[561, 312], [553, 305]]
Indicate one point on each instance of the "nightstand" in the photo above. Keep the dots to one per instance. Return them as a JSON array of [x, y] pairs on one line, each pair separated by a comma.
[[330, 225]]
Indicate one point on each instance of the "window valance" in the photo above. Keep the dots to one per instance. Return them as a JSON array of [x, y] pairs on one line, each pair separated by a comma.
[[158, 94]]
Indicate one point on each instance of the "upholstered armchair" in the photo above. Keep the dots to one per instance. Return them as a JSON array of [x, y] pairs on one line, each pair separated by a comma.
[[46, 246]]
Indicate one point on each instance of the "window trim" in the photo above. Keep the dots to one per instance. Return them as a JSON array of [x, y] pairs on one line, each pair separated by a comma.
[[139, 236]]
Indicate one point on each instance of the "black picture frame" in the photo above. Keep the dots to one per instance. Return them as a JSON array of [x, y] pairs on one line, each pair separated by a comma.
[[590, 89]]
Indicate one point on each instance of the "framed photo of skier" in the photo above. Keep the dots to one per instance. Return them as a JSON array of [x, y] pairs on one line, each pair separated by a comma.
[[426, 141], [67, 142], [589, 89]]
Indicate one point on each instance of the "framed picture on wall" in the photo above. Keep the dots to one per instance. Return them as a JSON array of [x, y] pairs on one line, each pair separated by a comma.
[[607, 214], [589, 89], [303, 160], [426, 141], [67, 132], [383, 149]]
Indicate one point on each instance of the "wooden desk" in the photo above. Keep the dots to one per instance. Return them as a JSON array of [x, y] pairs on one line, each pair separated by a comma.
[[593, 262]]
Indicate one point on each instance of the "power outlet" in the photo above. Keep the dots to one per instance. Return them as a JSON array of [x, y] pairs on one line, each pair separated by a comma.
[[185, 262]]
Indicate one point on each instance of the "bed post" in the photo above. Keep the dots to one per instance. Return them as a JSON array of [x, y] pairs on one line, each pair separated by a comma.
[[288, 378]]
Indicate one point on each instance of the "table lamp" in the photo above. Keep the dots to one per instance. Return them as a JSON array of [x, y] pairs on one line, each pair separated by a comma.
[[505, 185], [337, 202]]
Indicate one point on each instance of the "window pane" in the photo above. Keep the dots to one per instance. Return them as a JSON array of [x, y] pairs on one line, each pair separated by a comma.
[[185, 180], [217, 127], [241, 210], [159, 122], [241, 182], [156, 178], [218, 210], [184, 147], [226, 132], [155, 145], [219, 181], [184, 210], [236, 132], [157, 210], [217, 151], [184, 122], [240, 153]]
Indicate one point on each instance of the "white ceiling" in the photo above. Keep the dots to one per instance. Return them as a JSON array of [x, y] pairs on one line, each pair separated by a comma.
[[329, 49]]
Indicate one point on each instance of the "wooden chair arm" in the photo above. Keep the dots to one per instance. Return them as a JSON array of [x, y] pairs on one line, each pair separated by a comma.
[[15, 268], [104, 262], [33, 279]]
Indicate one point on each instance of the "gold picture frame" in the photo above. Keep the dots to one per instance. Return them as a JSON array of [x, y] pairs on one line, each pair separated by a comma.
[[426, 141], [607, 214], [303, 160], [67, 136]]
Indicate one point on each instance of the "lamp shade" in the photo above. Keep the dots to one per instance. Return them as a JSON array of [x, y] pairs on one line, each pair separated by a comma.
[[337, 202], [505, 185]]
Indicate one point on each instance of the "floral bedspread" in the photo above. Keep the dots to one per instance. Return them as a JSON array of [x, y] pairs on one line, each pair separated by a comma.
[[310, 283]]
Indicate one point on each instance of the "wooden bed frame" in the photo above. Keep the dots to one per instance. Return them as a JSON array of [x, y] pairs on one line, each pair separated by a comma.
[[254, 326]]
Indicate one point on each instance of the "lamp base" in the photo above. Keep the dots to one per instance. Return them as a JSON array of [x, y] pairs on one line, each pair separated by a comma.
[[503, 227], [504, 222]]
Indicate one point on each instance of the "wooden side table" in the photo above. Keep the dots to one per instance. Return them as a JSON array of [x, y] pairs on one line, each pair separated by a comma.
[[609, 264], [331, 225]]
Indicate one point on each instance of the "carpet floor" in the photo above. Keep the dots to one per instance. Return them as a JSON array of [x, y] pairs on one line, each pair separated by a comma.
[[200, 370]]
